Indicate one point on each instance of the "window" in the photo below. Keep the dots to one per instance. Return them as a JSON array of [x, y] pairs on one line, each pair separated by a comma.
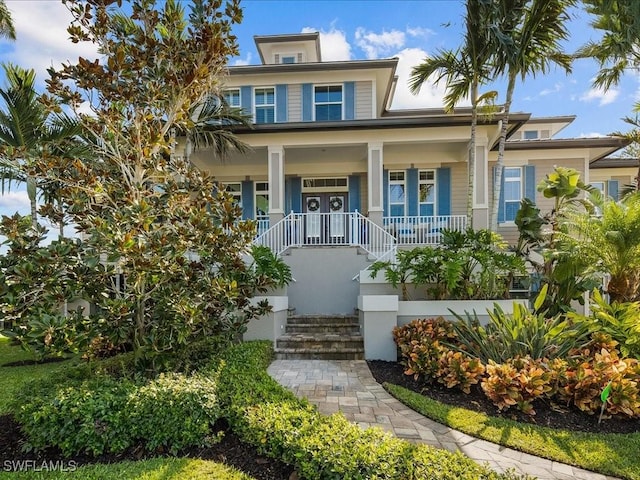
[[599, 186], [265, 103], [262, 200], [328, 102], [289, 59], [530, 134], [427, 193], [232, 97], [397, 193], [337, 183], [512, 192]]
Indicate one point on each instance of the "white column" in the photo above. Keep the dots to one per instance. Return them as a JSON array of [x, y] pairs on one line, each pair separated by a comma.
[[276, 182], [480, 217], [374, 182]]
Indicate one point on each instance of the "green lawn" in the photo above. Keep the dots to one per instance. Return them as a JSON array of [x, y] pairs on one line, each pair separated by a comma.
[[12, 378], [609, 454], [153, 469]]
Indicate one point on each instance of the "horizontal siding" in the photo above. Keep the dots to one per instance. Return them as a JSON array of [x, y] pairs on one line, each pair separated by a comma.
[[459, 182], [363, 100], [295, 103]]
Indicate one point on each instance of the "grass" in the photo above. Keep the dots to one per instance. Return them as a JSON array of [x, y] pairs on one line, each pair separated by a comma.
[[153, 469], [14, 377], [609, 454]]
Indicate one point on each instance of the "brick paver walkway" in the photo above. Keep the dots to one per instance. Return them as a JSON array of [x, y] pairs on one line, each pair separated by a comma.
[[348, 386]]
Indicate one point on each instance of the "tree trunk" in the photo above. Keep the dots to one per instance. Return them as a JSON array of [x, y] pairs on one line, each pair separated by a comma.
[[31, 192], [472, 155], [497, 181]]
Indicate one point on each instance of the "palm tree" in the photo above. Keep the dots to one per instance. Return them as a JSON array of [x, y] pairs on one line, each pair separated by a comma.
[[464, 70], [7, 30], [610, 243], [526, 35], [619, 48], [211, 126], [29, 134]]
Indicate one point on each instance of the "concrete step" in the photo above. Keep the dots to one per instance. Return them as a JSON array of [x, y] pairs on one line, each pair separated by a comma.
[[322, 319], [319, 341], [344, 328], [319, 354]]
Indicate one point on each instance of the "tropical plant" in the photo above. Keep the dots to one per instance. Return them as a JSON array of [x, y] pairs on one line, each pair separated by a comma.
[[526, 36], [542, 240], [618, 320], [464, 71], [520, 334], [399, 271], [7, 30], [610, 244]]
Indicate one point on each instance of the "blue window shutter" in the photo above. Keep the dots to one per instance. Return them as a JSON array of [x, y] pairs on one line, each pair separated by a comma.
[[281, 103], [307, 102], [443, 184], [385, 192], [296, 195], [246, 100], [412, 192], [501, 215], [530, 182], [349, 100], [612, 188], [354, 193], [247, 200]]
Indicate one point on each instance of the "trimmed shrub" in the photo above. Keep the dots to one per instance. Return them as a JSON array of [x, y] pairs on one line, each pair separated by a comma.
[[459, 370], [105, 414]]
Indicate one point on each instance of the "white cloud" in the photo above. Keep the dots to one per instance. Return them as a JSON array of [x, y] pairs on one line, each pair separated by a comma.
[[430, 95], [604, 97], [420, 32], [42, 38], [375, 45], [243, 61], [548, 91], [333, 44], [592, 135], [14, 201]]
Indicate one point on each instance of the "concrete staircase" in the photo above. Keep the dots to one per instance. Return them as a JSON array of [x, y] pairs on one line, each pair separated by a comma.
[[319, 337]]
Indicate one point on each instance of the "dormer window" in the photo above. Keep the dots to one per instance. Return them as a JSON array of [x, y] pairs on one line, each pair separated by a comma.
[[287, 58], [530, 134]]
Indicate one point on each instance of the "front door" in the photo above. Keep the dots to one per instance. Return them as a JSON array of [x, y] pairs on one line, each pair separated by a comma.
[[324, 219]]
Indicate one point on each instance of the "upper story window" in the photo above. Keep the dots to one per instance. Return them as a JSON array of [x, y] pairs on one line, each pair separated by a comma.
[[513, 183], [530, 135], [427, 192], [265, 105], [397, 193], [328, 102], [288, 59], [232, 97]]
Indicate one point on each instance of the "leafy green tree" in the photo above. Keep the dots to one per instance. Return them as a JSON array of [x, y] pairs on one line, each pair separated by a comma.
[[526, 36], [173, 238], [7, 30], [464, 71]]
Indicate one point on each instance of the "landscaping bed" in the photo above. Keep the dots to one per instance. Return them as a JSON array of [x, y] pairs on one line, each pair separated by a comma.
[[547, 413]]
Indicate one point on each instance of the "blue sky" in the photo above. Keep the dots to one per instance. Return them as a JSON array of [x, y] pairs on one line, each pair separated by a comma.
[[358, 29]]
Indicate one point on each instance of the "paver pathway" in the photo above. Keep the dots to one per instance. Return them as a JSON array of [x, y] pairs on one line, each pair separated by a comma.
[[348, 386]]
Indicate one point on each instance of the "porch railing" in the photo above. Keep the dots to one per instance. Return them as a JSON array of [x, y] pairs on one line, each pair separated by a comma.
[[327, 229], [419, 230]]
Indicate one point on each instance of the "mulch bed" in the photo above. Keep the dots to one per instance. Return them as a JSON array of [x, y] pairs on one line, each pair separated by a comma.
[[547, 414], [230, 451]]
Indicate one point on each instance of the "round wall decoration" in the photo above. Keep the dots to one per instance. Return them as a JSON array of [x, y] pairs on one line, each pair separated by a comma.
[[313, 205], [335, 204]]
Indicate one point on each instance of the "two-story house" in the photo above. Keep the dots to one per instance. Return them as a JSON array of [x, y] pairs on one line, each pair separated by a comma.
[[336, 178]]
